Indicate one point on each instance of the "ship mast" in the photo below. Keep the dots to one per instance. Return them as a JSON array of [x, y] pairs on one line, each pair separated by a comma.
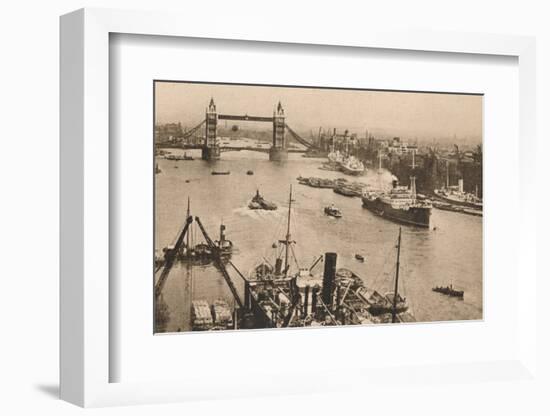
[[287, 240], [394, 306], [413, 178], [447, 183], [188, 214]]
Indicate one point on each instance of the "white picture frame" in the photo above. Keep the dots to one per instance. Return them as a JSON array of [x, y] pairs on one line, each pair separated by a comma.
[[85, 165]]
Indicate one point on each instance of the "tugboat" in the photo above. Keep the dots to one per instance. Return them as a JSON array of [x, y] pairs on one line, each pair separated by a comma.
[[201, 253], [449, 291], [332, 211], [258, 202], [225, 245]]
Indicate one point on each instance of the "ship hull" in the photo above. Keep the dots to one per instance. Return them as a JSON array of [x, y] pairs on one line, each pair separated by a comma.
[[416, 216], [458, 202], [352, 172]]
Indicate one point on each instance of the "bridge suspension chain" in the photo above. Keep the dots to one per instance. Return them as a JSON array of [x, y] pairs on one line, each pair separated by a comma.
[[193, 130], [298, 138]]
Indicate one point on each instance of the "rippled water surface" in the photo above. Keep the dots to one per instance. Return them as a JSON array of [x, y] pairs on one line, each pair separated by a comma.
[[452, 253]]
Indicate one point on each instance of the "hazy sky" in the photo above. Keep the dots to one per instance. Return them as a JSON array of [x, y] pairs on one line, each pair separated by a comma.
[[421, 115]]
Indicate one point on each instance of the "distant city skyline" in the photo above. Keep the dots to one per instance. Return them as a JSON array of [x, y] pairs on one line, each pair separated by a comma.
[[411, 115]]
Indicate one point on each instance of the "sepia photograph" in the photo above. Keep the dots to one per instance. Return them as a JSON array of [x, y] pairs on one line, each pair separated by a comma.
[[298, 207]]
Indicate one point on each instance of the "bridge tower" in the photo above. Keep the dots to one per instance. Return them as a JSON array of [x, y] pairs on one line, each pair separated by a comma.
[[278, 150], [211, 148]]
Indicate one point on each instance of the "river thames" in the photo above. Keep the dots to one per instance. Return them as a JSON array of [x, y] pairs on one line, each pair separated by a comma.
[[450, 253]]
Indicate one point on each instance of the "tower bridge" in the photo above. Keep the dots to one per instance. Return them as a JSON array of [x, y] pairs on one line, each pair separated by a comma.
[[211, 149]]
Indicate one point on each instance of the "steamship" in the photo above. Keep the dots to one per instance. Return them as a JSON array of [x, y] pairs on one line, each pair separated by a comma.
[[400, 205], [352, 166], [346, 163], [456, 196]]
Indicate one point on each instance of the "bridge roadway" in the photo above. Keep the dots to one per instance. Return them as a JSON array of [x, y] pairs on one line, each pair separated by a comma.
[[224, 148], [246, 117]]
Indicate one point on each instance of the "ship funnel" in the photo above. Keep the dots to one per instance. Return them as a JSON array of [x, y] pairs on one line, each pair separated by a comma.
[[461, 185], [328, 278], [413, 186]]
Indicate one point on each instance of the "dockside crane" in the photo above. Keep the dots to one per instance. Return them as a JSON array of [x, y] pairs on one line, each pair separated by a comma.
[[216, 255], [170, 256]]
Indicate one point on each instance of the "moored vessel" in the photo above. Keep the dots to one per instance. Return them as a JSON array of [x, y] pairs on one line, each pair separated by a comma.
[[457, 196], [347, 190], [222, 316], [452, 195], [352, 166], [179, 157], [201, 316]]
